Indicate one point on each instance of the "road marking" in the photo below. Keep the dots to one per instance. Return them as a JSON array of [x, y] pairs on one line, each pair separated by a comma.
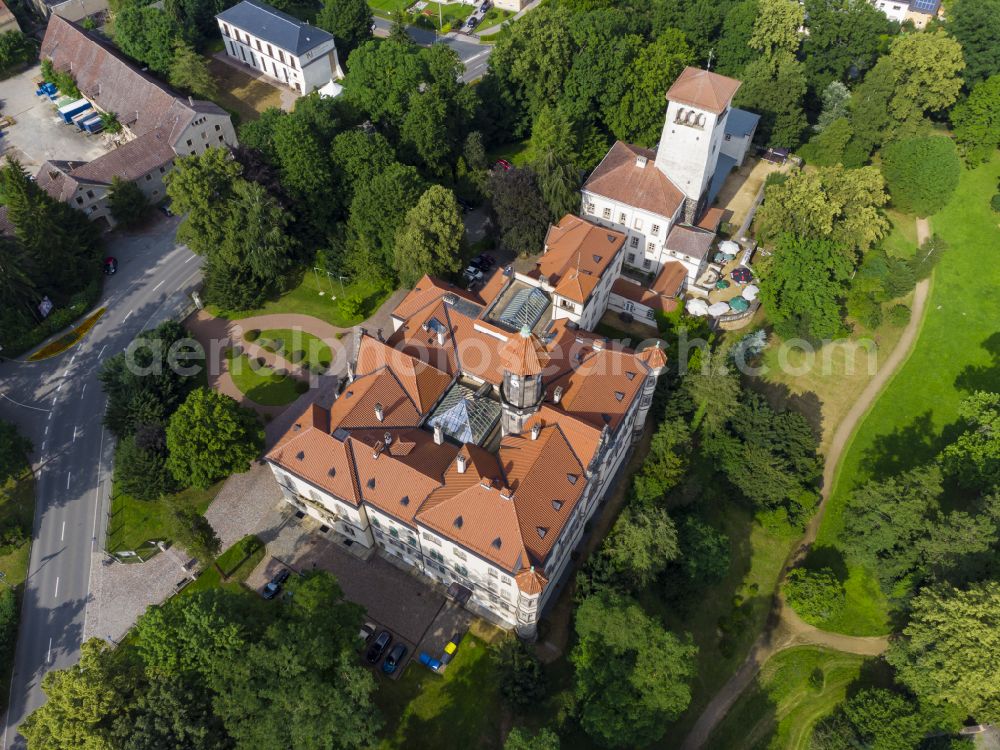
[[72, 359], [43, 445], [46, 429], [127, 316], [18, 403], [59, 388], [74, 433], [190, 259], [68, 477], [48, 655], [101, 353], [62, 535], [56, 595], [84, 389], [50, 414]]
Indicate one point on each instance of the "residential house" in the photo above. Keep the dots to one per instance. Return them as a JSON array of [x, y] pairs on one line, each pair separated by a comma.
[[660, 199], [285, 49], [917, 11], [157, 124], [71, 10], [475, 444]]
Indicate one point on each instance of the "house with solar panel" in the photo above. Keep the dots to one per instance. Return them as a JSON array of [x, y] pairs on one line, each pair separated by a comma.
[[917, 11], [293, 53]]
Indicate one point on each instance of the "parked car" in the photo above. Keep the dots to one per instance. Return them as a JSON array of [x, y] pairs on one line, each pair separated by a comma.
[[394, 658], [367, 631], [272, 587], [471, 23], [503, 164], [430, 662], [110, 266], [472, 273], [450, 648], [485, 6], [165, 209], [484, 261], [379, 646]]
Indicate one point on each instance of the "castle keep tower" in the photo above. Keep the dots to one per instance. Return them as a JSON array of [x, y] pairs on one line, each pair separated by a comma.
[[524, 358]]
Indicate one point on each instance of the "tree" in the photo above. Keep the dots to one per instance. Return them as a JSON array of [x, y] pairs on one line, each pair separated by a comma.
[[632, 676], [665, 464], [521, 739], [733, 46], [836, 99], [377, 211], [189, 71], [826, 149], [775, 87], [518, 209], [872, 718], [15, 49], [350, 22], [424, 132], [192, 531], [842, 205], [142, 473], [776, 29], [521, 680], [976, 26], [357, 157], [639, 115], [430, 238], [922, 173], [704, 553], [715, 390], [946, 654], [14, 449], [816, 595], [641, 544], [209, 437], [976, 122], [129, 205], [148, 34], [382, 79], [200, 188], [974, 458], [845, 39], [801, 285], [195, 17]]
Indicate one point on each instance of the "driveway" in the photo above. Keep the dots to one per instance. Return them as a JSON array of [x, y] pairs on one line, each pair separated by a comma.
[[38, 133]]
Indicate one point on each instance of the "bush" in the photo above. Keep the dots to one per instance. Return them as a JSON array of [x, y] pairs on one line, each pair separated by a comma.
[[921, 173], [252, 335], [817, 679], [522, 682], [816, 595], [18, 342], [899, 315], [995, 203]]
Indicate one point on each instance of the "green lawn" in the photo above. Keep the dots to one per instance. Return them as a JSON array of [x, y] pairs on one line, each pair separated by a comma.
[[458, 709], [429, 16], [322, 298], [519, 154], [296, 346], [957, 351], [135, 521], [386, 8], [779, 710], [235, 564], [20, 509], [261, 384], [495, 16]]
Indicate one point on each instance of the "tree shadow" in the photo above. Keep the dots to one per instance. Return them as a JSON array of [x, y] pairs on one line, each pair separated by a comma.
[[915, 443], [827, 557], [781, 398], [983, 377]]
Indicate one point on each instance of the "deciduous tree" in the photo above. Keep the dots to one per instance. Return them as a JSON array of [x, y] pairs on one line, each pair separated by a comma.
[[974, 458], [192, 531], [129, 205], [976, 122], [641, 544], [350, 22], [14, 449], [522, 681], [976, 26], [922, 173], [519, 210], [148, 34], [189, 71], [776, 29], [430, 238], [816, 595], [845, 38], [522, 739]]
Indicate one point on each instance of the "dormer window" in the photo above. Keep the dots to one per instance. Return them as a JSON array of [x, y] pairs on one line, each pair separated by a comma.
[[557, 504]]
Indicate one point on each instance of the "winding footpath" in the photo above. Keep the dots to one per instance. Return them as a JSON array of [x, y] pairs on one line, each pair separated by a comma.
[[784, 628]]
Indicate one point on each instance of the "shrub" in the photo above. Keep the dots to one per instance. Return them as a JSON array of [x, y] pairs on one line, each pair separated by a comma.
[[252, 335], [864, 308], [921, 173], [899, 315], [521, 679], [995, 203], [817, 679], [816, 595], [261, 362]]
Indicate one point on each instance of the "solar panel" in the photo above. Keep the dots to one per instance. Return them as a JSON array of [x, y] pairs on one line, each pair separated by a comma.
[[925, 6]]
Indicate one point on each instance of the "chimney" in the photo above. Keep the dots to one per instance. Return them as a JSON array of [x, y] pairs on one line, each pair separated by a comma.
[[377, 450], [440, 337], [506, 493], [557, 394], [387, 439], [460, 462], [438, 434], [598, 345], [640, 161], [379, 413], [320, 418], [536, 430]]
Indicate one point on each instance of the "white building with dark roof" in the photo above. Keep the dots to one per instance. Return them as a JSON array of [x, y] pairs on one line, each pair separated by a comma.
[[285, 49]]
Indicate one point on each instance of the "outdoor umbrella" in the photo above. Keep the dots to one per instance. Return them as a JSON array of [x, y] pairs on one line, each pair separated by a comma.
[[729, 247], [742, 275], [719, 308], [739, 304], [697, 307], [721, 284], [751, 292]]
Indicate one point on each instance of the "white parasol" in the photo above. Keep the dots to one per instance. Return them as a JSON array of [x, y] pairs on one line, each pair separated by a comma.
[[696, 307]]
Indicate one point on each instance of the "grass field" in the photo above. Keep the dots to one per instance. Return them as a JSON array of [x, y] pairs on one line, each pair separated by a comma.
[[495, 16], [779, 710], [957, 351], [240, 92], [235, 564], [321, 298], [296, 346], [519, 154], [135, 521], [18, 508], [457, 709], [430, 16], [260, 383]]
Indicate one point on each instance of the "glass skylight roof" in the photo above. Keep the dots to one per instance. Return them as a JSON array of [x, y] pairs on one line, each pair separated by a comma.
[[465, 417], [524, 308]]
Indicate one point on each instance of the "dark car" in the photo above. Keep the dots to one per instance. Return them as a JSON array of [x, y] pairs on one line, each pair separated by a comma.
[[110, 266], [165, 209], [485, 261], [272, 587], [395, 656], [367, 631], [377, 648]]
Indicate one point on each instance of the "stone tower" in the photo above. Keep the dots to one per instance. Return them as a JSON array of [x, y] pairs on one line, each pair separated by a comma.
[[524, 358], [697, 107]]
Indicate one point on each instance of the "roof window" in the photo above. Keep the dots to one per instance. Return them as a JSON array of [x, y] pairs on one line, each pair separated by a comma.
[[497, 543], [542, 531], [557, 504], [371, 483], [458, 522]]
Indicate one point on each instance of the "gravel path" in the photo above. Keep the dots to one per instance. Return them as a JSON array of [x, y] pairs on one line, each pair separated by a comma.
[[785, 628]]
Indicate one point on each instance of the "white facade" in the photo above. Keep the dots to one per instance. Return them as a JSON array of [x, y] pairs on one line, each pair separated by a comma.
[[345, 518], [689, 147], [646, 232], [303, 74]]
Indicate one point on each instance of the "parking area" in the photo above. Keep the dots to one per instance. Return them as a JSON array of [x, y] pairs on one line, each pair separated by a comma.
[[38, 133]]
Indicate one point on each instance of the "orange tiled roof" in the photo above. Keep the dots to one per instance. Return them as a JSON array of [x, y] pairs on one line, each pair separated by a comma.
[[703, 89], [654, 357], [577, 253], [357, 406], [620, 178], [531, 581], [524, 354], [429, 290], [633, 290], [423, 383], [601, 388], [669, 280]]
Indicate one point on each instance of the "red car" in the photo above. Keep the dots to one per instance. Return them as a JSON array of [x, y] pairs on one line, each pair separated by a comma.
[[110, 266], [503, 164]]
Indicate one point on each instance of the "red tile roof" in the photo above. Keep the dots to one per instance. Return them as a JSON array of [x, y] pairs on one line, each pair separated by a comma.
[[601, 388], [670, 279], [577, 254], [636, 292], [427, 291], [620, 178], [703, 89], [423, 383], [524, 354]]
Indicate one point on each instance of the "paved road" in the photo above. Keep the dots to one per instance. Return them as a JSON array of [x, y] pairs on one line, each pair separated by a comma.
[[59, 405], [474, 56]]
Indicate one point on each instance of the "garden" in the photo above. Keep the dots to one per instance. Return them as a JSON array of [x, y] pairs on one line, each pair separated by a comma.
[[261, 383]]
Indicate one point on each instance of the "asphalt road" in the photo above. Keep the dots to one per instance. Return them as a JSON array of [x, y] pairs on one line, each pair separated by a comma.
[[474, 56], [58, 404]]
